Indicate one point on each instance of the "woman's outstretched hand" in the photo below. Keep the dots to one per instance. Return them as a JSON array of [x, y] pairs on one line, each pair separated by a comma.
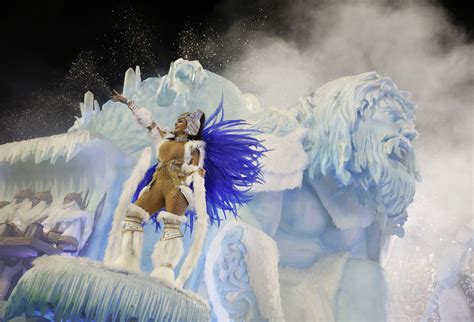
[[117, 97]]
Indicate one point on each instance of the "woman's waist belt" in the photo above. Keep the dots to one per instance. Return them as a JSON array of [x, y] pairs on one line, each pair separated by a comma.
[[171, 168]]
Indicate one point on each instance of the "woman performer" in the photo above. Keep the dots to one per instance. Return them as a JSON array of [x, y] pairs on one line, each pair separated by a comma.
[[233, 164]]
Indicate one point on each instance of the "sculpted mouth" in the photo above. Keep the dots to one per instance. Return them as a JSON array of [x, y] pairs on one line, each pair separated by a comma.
[[399, 157], [401, 152]]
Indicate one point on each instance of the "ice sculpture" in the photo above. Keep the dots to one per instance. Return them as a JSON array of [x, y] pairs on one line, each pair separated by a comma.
[[339, 176]]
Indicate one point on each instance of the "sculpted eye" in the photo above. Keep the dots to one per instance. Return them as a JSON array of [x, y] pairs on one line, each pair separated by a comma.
[[383, 115]]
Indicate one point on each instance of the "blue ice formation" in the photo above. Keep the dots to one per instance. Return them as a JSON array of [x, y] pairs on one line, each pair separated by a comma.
[[85, 290]]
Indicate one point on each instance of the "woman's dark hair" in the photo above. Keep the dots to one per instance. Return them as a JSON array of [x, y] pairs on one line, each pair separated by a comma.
[[201, 127]]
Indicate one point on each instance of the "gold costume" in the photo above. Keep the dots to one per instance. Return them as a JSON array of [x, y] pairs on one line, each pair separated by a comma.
[[163, 190], [181, 160]]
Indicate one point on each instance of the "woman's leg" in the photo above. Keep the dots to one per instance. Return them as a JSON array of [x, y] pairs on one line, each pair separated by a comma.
[[149, 202], [176, 203], [169, 249], [152, 200]]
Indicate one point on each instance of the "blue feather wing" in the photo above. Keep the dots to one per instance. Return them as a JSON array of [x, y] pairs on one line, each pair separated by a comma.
[[232, 163]]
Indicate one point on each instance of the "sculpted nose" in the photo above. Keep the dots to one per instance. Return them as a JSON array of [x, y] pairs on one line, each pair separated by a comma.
[[410, 133]]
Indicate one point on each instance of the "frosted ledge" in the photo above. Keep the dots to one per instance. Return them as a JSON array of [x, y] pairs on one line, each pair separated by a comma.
[[83, 289]]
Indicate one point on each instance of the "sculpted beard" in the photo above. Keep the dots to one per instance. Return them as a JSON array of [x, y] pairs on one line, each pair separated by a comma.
[[391, 174]]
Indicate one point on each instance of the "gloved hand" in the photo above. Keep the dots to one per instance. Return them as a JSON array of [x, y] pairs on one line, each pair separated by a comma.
[[142, 115]]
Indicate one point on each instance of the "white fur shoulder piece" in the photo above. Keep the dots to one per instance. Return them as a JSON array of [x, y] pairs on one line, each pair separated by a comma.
[[189, 147]]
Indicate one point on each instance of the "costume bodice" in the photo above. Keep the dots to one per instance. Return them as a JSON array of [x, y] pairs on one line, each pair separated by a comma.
[[171, 159], [171, 150]]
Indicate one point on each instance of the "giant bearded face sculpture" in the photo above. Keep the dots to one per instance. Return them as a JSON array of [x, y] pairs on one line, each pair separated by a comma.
[[362, 136]]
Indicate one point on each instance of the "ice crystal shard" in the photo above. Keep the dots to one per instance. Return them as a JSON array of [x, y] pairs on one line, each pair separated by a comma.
[[129, 84]]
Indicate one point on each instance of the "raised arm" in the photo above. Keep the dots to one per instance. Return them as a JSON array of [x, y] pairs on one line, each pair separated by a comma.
[[142, 115]]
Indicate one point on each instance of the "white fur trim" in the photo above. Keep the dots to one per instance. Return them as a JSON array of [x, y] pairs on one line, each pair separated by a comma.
[[124, 253], [134, 209], [165, 257], [167, 252], [200, 231], [189, 168], [165, 215], [164, 274], [137, 247], [188, 149], [114, 244], [189, 180], [188, 194], [130, 251]]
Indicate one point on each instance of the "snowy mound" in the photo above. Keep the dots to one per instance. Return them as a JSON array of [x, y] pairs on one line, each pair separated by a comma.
[[74, 289]]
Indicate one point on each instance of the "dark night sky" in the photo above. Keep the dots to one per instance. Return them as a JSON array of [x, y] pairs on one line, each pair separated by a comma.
[[42, 39]]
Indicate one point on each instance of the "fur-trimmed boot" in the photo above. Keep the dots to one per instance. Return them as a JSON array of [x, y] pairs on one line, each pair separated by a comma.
[[169, 248], [132, 239]]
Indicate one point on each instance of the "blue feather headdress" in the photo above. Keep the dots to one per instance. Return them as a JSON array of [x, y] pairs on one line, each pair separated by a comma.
[[232, 166]]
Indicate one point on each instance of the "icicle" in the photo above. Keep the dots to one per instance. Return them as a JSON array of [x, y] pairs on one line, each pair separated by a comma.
[[80, 286], [138, 77], [61, 145], [171, 75], [83, 109], [88, 106], [129, 83], [47, 152], [68, 185], [82, 184], [71, 151], [96, 108], [25, 152]]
